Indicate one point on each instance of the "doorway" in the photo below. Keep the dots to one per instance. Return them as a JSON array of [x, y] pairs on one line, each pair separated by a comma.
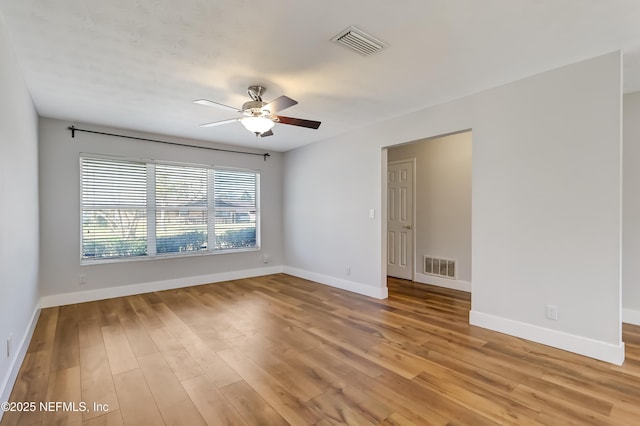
[[427, 207]]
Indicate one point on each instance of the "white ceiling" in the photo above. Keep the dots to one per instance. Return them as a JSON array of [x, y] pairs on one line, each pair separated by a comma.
[[139, 64]]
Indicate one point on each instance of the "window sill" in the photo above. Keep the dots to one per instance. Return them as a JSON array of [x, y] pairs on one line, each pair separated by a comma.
[[87, 262]]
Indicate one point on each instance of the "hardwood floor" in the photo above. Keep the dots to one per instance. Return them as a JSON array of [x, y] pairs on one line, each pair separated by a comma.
[[279, 350]]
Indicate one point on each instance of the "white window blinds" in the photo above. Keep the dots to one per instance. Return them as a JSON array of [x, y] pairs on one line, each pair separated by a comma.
[[114, 198], [181, 209], [235, 209], [133, 209]]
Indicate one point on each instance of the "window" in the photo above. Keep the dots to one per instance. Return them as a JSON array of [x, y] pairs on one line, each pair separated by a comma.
[[235, 205], [181, 209], [114, 216], [135, 209]]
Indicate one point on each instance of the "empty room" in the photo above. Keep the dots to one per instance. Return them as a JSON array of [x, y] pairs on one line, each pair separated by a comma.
[[319, 213]]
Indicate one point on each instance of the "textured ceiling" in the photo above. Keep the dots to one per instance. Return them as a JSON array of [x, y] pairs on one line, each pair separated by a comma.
[[139, 64]]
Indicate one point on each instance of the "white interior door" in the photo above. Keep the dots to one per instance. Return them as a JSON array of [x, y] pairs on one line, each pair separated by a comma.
[[400, 219]]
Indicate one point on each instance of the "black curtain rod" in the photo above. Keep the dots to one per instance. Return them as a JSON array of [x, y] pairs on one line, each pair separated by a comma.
[[75, 129]]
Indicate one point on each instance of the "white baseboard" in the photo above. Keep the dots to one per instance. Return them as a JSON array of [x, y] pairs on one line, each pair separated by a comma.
[[631, 316], [355, 287], [603, 351], [16, 362], [443, 282], [148, 287]]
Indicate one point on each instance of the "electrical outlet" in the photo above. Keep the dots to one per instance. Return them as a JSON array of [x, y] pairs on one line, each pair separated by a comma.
[[82, 279], [266, 258], [551, 312], [348, 269]]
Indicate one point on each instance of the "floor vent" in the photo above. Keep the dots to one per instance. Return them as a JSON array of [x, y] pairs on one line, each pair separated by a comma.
[[359, 41], [445, 268]]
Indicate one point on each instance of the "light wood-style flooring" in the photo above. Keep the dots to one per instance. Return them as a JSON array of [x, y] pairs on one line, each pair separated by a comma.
[[279, 350]]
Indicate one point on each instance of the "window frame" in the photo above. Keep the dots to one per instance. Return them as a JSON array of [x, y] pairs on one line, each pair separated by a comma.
[[151, 210]]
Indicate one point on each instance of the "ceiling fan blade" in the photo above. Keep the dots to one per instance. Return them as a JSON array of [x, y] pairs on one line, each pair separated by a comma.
[[218, 123], [280, 103], [206, 102], [267, 133], [299, 122]]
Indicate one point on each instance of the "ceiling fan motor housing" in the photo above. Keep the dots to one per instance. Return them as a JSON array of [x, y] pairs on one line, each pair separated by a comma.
[[255, 109]]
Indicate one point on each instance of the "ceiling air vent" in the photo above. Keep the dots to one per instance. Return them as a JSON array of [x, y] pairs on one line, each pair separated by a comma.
[[356, 39]]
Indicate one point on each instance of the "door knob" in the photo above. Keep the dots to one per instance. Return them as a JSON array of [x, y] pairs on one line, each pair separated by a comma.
[[407, 227]]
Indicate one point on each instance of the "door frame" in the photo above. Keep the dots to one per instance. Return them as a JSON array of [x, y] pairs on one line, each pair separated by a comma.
[[385, 209]]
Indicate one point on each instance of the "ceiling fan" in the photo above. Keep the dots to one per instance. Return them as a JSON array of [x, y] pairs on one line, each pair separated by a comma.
[[258, 116]]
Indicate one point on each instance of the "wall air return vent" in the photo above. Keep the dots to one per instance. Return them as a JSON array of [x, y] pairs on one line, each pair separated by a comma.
[[359, 41], [445, 268]]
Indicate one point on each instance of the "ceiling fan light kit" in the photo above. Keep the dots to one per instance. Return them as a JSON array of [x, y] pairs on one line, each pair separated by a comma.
[[257, 125], [259, 116]]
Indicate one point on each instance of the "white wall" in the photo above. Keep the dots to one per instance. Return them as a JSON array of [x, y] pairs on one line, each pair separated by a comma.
[[18, 214], [326, 214], [547, 216], [631, 215], [60, 219], [546, 208], [442, 203]]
